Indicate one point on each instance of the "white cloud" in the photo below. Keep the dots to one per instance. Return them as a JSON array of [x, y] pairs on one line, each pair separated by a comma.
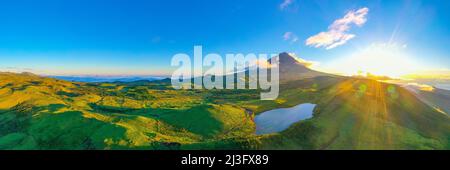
[[289, 36], [16, 69], [306, 63], [337, 32], [285, 4], [419, 86]]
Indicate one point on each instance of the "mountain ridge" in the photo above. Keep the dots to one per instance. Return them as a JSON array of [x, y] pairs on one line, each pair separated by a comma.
[[292, 69]]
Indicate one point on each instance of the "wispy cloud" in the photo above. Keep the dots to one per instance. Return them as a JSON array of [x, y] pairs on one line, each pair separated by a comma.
[[423, 87], [291, 37], [306, 63], [18, 70], [286, 3], [337, 33], [156, 39]]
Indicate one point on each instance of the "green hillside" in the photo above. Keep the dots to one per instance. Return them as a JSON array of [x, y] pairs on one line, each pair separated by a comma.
[[351, 113], [366, 114]]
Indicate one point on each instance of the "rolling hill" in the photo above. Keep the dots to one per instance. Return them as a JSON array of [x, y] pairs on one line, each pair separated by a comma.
[[351, 113]]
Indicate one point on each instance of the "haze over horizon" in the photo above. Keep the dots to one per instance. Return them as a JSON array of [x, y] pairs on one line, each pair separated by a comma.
[[392, 38]]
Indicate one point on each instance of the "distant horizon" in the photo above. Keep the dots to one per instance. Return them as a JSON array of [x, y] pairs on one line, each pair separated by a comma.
[[87, 75]]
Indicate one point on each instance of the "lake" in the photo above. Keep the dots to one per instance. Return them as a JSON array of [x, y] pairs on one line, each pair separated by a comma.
[[277, 120]]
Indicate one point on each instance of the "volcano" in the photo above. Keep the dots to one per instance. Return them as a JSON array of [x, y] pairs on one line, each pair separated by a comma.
[[293, 68]]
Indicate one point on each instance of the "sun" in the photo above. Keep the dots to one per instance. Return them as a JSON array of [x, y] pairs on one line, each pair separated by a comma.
[[378, 59]]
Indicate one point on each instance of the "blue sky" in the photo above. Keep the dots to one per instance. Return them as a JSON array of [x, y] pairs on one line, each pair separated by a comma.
[[126, 37]]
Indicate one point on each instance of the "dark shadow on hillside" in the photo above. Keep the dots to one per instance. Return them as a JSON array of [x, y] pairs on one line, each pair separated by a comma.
[[29, 127], [197, 119]]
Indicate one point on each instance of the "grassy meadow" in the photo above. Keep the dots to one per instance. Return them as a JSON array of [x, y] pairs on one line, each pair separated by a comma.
[[351, 113]]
